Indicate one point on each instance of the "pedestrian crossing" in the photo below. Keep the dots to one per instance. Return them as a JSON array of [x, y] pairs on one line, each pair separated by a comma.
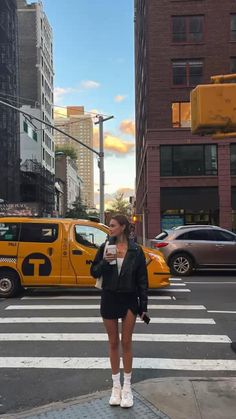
[[66, 332]]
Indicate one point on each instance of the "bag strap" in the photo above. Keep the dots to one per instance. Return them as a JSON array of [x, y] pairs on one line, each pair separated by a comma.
[[105, 247]]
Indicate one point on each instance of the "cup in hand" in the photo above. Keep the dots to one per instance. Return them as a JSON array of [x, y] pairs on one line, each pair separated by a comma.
[[111, 248]]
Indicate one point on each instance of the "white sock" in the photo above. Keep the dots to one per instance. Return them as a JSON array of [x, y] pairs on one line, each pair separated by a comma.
[[116, 380], [127, 379]]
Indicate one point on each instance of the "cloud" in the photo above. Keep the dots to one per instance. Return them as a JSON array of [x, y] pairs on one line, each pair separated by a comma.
[[127, 126], [89, 84], [109, 198], [113, 144], [120, 98], [60, 92]]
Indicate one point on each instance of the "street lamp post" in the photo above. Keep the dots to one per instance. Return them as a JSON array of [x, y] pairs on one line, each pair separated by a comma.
[[101, 163], [100, 154]]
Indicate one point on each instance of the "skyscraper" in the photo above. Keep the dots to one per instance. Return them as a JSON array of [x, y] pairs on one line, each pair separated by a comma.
[[36, 89], [77, 124], [9, 119]]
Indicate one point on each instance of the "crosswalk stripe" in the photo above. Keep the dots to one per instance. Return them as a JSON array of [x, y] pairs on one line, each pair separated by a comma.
[[175, 290], [95, 307], [93, 297], [222, 311], [156, 320], [175, 279], [104, 363], [101, 337], [211, 282], [177, 285]]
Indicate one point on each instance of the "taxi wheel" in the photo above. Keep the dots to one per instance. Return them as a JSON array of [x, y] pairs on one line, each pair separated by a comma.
[[181, 264], [9, 284]]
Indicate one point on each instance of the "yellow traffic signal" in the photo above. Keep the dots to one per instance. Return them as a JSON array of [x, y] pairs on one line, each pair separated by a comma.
[[213, 108], [136, 217]]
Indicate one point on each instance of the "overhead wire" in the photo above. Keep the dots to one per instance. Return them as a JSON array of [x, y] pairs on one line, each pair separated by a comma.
[[16, 98]]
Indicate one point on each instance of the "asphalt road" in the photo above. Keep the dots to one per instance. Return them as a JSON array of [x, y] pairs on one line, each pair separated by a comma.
[[53, 347]]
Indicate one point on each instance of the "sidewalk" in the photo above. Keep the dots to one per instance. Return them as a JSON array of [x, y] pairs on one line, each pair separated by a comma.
[[165, 398]]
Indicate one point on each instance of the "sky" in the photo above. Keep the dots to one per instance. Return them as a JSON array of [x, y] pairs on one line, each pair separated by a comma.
[[94, 67]]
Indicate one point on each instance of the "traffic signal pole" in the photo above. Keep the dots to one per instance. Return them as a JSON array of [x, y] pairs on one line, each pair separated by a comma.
[[100, 121], [100, 154]]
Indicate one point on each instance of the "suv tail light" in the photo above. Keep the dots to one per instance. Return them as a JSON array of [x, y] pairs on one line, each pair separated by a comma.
[[161, 244]]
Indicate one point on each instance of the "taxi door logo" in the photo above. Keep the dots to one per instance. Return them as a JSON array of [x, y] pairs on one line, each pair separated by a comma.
[[36, 264]]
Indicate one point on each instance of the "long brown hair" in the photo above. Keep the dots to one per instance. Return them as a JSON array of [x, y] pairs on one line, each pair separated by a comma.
[[123, 220]]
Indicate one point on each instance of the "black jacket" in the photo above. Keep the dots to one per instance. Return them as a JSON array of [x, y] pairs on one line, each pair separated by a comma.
[[133, 275]]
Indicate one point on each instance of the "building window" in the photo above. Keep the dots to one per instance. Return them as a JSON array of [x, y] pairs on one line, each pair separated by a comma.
[[233, 28], [187, 73], [35, 136], [189, 160], [233, 159], [181, 115], [25, 126], [233, 65], [187, 29]]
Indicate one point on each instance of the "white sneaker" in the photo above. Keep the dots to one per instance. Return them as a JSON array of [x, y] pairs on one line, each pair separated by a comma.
[[127, 398], [115, 398]]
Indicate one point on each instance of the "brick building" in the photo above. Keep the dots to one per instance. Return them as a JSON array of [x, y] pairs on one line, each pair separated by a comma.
[[181, 178]]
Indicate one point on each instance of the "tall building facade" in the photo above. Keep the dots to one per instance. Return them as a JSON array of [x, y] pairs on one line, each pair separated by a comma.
[[36, 91], [9, 119], [75, 123], [181, 178]]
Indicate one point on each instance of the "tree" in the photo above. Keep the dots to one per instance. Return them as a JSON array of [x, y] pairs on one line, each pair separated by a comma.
[[68, 150], [120, 206], [79, 210]]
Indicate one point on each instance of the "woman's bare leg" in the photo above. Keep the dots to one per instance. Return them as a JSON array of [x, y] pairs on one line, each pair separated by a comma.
[[114, 341], [128, 324]]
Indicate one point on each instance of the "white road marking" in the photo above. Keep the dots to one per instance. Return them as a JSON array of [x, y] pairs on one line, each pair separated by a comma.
[[76, 297], [175, 290], [177, 285], [156, 320], [96, 307], [102, 337], [104, 363], [175, 279], [210, 282], [222, 311]]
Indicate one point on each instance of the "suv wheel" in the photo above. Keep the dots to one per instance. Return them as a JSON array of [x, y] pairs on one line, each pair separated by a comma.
[[181, 264], [9, 284]]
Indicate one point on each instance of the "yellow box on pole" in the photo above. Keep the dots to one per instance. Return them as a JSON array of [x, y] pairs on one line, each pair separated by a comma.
[[213, 108]]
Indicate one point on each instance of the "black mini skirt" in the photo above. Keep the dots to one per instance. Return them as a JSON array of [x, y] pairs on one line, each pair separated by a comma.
[[114, 305]]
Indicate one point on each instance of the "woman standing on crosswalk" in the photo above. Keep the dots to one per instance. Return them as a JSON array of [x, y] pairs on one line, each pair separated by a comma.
[[124, 295]]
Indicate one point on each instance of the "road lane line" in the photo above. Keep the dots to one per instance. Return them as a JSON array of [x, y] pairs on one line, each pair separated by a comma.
[[222, 311], [175, 279], [210, 282], [156, 320], [104, 363], [96, 307], [175, 290], [177, 285], [102, 337], [150, 297]]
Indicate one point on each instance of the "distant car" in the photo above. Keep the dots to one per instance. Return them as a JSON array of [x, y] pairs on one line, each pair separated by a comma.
[[195, 247]]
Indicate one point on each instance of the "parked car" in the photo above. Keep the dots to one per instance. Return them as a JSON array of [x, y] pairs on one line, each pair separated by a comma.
[[39, 252], [195, 247]]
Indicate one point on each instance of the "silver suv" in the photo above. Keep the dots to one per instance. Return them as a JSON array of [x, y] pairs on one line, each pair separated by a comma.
[[186, 248]]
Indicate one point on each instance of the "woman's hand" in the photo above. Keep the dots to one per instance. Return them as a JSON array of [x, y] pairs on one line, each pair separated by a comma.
[[109, 257]]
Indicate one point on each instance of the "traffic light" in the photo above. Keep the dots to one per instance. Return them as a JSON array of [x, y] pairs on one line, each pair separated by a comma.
[[136, 217], [213, 108]]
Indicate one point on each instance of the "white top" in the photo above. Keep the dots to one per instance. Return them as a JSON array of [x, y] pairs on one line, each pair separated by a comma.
[[119, 264]]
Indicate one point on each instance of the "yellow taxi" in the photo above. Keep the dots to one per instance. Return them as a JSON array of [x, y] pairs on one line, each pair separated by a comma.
[[37, 252]]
